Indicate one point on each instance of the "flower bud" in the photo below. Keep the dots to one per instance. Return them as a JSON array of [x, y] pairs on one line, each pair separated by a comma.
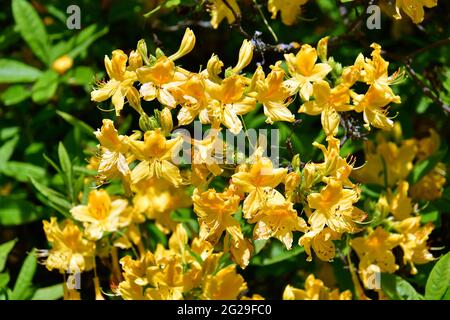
[[166, 121], [187, 44], [147, 123], [142, 50], [62, 64], [245, 56], [134, 61], [322, 48], [296, 162]]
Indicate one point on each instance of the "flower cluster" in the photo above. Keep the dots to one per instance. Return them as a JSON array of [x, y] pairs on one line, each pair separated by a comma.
[[315, 200]]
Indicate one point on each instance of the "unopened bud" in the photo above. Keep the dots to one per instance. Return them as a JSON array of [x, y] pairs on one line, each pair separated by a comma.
[[245, 56], [147, 123], [62, 64], [166, 121], [187, 44]]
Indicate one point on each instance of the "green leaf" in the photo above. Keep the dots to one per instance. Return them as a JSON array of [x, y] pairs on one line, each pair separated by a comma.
[[277, 254], [44, 89], [425, 166], [49, 293], [52, 195], [79, 76], [23, 287], [4, 280], [66, 166], [397, 288], [7, 149], [15, 94], [14, 212], [84, 127], [12, 71], [22, 171], [31, 28], [5, 249], [438, 280], [85, 38]]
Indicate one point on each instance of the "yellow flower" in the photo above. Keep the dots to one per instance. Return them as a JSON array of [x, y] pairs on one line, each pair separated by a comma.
[[305, 71], [400, 205], [255, 182], [375, 250], [379, 95], [277, 219], [322, 243], [186, 46], [334, 166], [157, 199], [193, 99], [158, 79], [120, 84], [100, 214], [156, 156], [204, 152], [226, 284], [386, 162], [290, 10], [219, 11], [413, 8], [328, 102], [315, 289], [114, 151], [333, 207], [228, 102], [70, 251], [62, 64], [273, 93], [414, 244], [215, 211], [430, 187]]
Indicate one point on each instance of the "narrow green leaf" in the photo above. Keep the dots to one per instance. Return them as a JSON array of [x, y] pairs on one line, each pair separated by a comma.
[[85, 38], [439, 279], [44, 89], [12, 71], [4, 280], [84, 127], [15, 94], [7, 149], [22, 171], [15, 212], [23, 287], [5, 249], [66, 166], [31, 28], [52, 195], [49, 293]]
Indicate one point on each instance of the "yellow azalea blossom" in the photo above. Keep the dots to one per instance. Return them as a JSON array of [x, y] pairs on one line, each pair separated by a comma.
[[305, 71], [386, 162], [273, 93], [327, 102], [290, 10], [277, 219], [428, 145], [204, 152], [379, 95], [333, 207], [414, 245], [219, 11], [334, 166], [157, 199], [226, 284], [255, 182], [240, 248], [120, 85], [192, 97], [431, 186], [70, 252], [158, 79], [114, 157], [155, 154], [215, 211], [100, 215], [322, 243], [315, 289], [400, 204], [229, 101], [413, 8], [376, 250]]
